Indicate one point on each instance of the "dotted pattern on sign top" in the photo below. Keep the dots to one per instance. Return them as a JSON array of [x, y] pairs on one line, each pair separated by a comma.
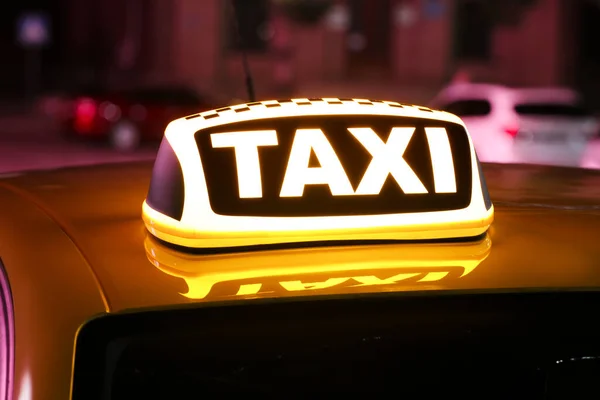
[[240, 108]]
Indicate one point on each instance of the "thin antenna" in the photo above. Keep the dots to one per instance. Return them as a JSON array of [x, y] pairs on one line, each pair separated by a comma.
[[247, 72]]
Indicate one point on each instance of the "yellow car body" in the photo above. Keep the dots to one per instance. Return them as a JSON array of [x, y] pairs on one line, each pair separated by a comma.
[[74, 247]]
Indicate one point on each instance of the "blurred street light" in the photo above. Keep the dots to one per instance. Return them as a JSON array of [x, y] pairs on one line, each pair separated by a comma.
[[33, 33]]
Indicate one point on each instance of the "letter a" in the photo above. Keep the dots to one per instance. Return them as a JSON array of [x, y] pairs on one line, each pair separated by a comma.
[[298, 174]]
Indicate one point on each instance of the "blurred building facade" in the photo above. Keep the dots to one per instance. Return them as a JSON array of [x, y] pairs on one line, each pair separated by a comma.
[[407, 42]]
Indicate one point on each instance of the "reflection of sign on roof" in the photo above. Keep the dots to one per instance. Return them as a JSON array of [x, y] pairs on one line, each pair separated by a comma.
[[33, 29], [325, 270]]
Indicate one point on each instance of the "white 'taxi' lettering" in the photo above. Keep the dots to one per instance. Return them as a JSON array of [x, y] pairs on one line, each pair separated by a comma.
[[298, 174], [441, 159], [387, 159], [246, 157]]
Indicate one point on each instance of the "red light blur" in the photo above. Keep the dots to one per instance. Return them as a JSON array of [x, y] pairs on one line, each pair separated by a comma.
[[513, 131], [85, 113]]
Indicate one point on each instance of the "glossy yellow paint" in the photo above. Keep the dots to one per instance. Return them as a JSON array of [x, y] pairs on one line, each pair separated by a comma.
[[54, 292], [74, 246]]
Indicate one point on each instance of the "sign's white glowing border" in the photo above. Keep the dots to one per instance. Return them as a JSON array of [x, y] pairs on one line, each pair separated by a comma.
[[200, 224]]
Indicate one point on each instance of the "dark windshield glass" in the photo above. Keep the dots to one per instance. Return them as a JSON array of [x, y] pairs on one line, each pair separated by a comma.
[[484, 346], [552, 109]]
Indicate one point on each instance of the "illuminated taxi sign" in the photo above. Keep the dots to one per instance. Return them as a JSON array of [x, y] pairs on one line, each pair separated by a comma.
[[315, 170]]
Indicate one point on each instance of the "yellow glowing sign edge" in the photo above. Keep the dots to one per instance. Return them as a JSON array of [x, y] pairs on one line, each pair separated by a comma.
[[201, 227], [202, 273]]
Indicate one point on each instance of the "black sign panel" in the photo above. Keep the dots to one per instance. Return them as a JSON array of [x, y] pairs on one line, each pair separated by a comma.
[[221, 174]]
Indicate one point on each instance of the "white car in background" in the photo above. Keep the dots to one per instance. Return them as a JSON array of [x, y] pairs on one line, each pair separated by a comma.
[[531, 125]]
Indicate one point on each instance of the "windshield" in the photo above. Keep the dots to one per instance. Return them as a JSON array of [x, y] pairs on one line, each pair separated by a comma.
[[549, 109], [414, 348]]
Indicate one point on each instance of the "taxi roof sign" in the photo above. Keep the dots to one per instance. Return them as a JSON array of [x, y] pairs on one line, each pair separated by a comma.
[[307, 170]]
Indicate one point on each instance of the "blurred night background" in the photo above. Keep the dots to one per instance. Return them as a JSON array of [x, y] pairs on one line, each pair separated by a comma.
[[67, 64]]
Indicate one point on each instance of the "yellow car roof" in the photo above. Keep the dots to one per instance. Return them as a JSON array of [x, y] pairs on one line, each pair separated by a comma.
[[544, 236]]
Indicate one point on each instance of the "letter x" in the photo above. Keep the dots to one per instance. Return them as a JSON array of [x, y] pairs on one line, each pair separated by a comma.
[[387, 160]]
